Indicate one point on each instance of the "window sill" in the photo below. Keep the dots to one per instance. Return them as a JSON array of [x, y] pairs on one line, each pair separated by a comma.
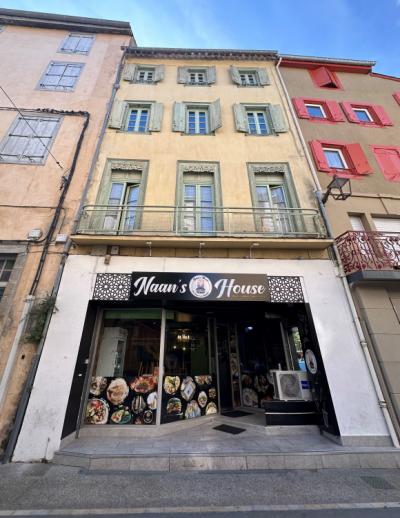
[[345, 173], [184, 134], [147, 83], [62, 90], [72, 53], [370, 124], [135, 132], [257, 135], [17, 162], [196, 84], [250, 86], [324, 121]]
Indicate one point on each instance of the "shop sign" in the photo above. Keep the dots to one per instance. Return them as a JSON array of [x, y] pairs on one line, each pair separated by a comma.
[[199, 286]]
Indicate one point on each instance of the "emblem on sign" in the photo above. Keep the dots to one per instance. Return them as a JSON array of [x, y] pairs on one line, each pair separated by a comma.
[[200, 286]]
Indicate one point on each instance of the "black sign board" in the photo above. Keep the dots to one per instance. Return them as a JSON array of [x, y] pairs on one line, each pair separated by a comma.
[[199, 286]]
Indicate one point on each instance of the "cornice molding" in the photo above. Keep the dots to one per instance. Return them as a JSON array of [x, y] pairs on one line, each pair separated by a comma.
[[204, 54]]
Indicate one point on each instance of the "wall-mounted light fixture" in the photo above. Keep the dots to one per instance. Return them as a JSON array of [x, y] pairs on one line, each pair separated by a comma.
[[339, 189]]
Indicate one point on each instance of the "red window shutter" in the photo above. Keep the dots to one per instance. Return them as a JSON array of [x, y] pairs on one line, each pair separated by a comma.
[[319, 156], [323, 77], [300, 108], [396, 95], [348, 110], [383, 117], [335, 111], [358, 159], [389, 162]]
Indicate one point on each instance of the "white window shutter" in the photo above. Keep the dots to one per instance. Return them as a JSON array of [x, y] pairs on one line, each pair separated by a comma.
[[263, 76], [158, 73], [129, 72], [235, 75], [117, 114], [156, 115], [183, 75], [240, 118], [278, 119], [211, 75], [215, 115], [179, 117]]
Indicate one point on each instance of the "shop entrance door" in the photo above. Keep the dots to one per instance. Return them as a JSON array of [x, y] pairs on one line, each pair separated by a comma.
[[228, 365]]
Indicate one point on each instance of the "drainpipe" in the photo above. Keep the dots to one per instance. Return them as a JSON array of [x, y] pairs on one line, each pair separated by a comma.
[[361, 337]]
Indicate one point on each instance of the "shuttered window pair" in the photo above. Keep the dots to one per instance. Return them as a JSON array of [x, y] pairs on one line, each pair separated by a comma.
[[143, 73], [339, 158], [29, 140], [136, 117], [77, 44], [61, 76], [259, 119], [370, 114], [200, 76], [249, 76], [318, 109], [196, 119]]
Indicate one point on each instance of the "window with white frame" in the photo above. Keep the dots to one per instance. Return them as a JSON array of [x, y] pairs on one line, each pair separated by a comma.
[[315, 111], [257, 122], [77, 43], [61, 76], [363, 115], [197, 121], [248, 78], [29, 139], [124, 196], [197, 77], [335, 158], [198, 203], [6, 267], [138, 119], [145, 75]]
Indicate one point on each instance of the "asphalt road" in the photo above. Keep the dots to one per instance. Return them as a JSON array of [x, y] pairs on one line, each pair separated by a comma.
[[340, 513]]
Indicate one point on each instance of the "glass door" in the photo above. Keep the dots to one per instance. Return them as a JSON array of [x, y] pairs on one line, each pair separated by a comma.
[[273, 200], [198, 214], [124, 197]]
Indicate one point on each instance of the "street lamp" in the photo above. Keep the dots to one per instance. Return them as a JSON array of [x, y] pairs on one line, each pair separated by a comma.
[[336, 189]]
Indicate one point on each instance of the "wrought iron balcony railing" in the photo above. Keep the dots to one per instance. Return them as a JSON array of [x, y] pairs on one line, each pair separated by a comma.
[[125, 220], [369, 250]]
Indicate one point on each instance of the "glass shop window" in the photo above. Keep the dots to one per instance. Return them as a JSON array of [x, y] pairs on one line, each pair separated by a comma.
[[124, 382]]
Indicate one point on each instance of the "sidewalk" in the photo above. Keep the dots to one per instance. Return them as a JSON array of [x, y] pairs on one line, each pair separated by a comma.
[[52, 487]]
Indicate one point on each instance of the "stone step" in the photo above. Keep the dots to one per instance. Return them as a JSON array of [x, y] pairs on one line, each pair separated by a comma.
[[371, 458]]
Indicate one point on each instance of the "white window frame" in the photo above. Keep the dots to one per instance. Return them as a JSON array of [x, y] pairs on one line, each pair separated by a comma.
[[244, 78], [340, 152], [255, 111], [79, 35], [21, 158], [145, 71], [61, 88], [5, 258], [139, 108], [365, 110], [200, 73], [315, 105], [197, 110]]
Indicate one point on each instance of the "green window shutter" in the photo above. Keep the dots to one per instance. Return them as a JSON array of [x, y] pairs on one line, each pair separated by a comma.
[[235, 75], [156, 115], [239, 112], [182, 75], [179, 117], [129, 72], [215, 115], [278, 119], [117, 114], [211, 75], [263, 76], [158, 73]]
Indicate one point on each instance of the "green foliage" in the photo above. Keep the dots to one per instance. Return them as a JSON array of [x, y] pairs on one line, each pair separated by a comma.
[[37, 318]]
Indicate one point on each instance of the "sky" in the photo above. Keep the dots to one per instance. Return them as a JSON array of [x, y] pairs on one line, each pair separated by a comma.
[[353, 29]]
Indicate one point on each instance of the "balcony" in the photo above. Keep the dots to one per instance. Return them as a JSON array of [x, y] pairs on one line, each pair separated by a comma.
[[215, 225], [370, 251]]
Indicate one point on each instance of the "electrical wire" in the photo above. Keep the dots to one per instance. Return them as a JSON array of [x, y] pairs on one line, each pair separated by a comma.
[[33, 131]]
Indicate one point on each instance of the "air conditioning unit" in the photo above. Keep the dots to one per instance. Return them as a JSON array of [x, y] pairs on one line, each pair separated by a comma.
[[291, 385]]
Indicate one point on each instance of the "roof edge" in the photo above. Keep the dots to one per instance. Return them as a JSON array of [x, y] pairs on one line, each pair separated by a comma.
[[59, 21], [187, 53]]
